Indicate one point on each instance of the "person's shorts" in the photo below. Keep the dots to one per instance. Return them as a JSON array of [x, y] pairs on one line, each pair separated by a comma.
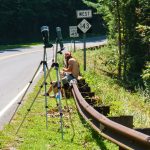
[[67, 78]]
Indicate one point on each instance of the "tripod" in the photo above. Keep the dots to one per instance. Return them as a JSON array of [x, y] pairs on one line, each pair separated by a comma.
[[46, 74], [58, 98]]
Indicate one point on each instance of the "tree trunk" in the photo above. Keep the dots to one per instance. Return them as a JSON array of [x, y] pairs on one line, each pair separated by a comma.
[[119, 42]]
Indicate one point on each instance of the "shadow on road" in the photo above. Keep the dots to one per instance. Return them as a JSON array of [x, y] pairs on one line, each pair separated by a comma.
[[11, 48]]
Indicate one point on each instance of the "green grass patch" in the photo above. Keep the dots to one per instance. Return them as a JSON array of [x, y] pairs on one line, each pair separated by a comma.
[[33, 134]]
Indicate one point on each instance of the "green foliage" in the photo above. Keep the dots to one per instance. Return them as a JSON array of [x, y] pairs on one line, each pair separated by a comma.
[[144, 32], [106, 10], [21, 20], [133, 17], [111, 92]]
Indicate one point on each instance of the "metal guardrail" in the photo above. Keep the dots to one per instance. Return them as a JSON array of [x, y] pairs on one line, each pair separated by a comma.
[[124, 137]]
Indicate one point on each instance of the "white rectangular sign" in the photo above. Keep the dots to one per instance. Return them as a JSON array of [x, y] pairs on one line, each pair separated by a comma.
[[84, 13], [73, 31]]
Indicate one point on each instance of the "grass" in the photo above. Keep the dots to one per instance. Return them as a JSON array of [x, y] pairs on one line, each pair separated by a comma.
[[33, 134]]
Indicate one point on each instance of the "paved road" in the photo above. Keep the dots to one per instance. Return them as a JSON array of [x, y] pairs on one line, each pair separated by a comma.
[[17, 68]]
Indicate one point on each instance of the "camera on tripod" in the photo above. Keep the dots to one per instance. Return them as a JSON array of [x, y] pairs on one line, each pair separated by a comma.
[[59, 39], [45, 35]]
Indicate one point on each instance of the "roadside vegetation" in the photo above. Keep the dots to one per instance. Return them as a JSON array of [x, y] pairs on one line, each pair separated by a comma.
[[34, 135], [118, 73], [101, 74], [128, 28], [101, 77]]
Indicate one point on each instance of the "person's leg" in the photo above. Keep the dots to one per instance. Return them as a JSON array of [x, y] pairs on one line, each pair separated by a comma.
[[50, 89]]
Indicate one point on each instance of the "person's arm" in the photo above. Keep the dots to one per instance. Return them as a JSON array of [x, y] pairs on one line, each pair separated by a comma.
[[69, 69]]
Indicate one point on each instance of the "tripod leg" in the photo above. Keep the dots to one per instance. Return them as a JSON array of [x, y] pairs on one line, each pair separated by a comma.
[[34, 101], [69, 113], [59, 105], [45, 89], [52, 85], [70, 119], [29, 84], [59, 99], [28, 110]]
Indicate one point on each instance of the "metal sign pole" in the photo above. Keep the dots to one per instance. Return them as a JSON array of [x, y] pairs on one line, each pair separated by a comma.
[[84, 26], [73, 34], [84, 48]]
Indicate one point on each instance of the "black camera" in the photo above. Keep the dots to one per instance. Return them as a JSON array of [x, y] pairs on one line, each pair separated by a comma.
[[45, 35]]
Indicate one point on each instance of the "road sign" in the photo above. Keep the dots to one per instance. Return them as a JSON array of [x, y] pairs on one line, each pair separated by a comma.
[[73, 31], [84, 26], [84, 14]]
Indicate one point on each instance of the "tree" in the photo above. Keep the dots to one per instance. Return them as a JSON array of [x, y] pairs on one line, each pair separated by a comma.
[[22, 19], [128, 20]]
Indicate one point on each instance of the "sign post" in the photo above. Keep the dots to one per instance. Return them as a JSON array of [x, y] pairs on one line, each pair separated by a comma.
[[84, 26], [84, 47], [73, 33]]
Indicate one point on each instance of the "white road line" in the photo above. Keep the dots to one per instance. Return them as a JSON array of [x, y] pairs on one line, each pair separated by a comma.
[[19, 94], [13, 101]]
